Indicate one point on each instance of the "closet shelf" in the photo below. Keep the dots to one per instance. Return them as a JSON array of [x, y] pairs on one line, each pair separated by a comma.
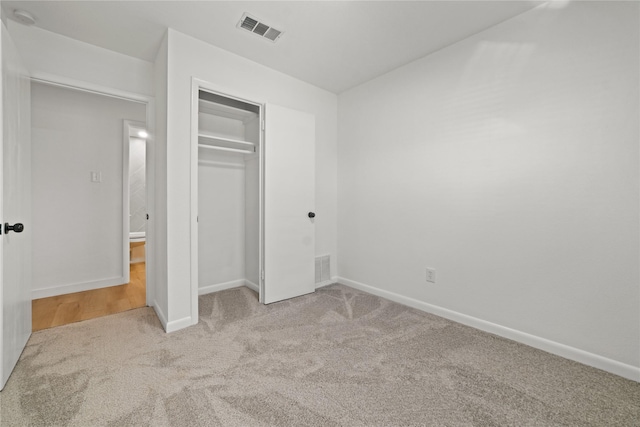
[[207, 140], [235, 113]]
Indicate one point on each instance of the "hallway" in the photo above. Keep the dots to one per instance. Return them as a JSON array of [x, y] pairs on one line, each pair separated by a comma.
[[70, 308]]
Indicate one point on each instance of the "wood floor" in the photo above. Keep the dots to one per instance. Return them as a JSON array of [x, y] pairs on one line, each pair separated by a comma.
[[63, 309]]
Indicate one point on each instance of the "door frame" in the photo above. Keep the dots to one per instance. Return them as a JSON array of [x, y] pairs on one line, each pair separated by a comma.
[[149, 103], [196, 85]]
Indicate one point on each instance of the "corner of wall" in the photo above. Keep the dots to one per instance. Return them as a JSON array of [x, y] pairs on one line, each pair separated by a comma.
[[559, 349], [161, 316], [159, 223]]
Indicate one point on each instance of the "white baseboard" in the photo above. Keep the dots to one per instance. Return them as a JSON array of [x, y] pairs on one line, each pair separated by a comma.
[[160, 314], [249, 284], [331, 281], [203, 290], [76, 287], [176, 325], [572, 353], [228, 285]]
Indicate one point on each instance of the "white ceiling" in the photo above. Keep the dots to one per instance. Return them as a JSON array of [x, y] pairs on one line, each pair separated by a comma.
[[334, 45]]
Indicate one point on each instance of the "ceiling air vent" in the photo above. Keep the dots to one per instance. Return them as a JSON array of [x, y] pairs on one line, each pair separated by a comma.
[[250, 23]]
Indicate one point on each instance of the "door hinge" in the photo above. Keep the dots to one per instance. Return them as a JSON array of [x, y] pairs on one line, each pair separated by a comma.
[[263, 125], [262, 275], [147, 217]]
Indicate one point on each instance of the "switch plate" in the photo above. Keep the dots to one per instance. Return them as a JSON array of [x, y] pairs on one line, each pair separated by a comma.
[[96, 176], [431, 275]]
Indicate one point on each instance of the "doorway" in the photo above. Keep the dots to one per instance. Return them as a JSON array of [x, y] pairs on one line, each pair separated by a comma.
[[135, 136], [83, 142], [256, 160]]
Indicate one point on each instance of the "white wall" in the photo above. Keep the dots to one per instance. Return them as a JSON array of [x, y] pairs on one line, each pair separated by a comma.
[[509, 163], [221, 219], [77, 223], [187, 58], [48, 54]]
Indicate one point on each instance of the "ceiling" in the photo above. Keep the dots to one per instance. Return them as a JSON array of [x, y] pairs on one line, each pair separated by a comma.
[[334, 45]]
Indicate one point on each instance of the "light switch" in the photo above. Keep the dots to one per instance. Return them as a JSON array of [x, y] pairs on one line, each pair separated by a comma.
[[96, 176]]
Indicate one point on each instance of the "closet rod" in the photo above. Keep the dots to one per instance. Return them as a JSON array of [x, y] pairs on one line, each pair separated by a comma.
[[222, 164], [236, 150]]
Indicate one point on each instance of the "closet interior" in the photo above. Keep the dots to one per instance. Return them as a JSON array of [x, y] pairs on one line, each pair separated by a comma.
[[228, 192]]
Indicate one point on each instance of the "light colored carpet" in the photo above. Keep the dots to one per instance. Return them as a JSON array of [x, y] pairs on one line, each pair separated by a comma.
[[336, 357]]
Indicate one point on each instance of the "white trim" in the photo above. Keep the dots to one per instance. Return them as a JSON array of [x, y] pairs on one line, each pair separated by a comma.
[[70, 83], [160, 314], [572, 353], [150, 184], [193, 168], [331, 281], [78, 287], [203, 290], [249, 284], [176, 325]]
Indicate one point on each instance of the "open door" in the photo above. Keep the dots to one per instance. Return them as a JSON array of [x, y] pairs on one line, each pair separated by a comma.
[[15, 211], [289, 197]]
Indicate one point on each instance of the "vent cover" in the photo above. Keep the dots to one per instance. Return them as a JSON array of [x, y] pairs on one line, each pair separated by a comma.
[[323, 269], [251, 23]]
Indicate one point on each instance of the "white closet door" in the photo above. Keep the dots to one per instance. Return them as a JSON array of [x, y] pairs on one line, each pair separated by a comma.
[[15, 203], [289, 188]]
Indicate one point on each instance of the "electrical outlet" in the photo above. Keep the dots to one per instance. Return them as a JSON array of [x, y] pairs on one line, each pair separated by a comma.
[[431, 275]]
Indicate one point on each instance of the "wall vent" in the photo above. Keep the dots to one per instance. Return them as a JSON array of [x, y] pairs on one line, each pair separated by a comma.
[[323, 267], [252, 24]]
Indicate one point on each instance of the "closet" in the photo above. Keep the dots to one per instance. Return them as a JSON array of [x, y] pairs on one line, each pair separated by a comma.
[[252, 186], [229, 136]]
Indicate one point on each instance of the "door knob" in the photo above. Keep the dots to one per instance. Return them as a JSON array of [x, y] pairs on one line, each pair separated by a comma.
[[16, 228], [312, 215]]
